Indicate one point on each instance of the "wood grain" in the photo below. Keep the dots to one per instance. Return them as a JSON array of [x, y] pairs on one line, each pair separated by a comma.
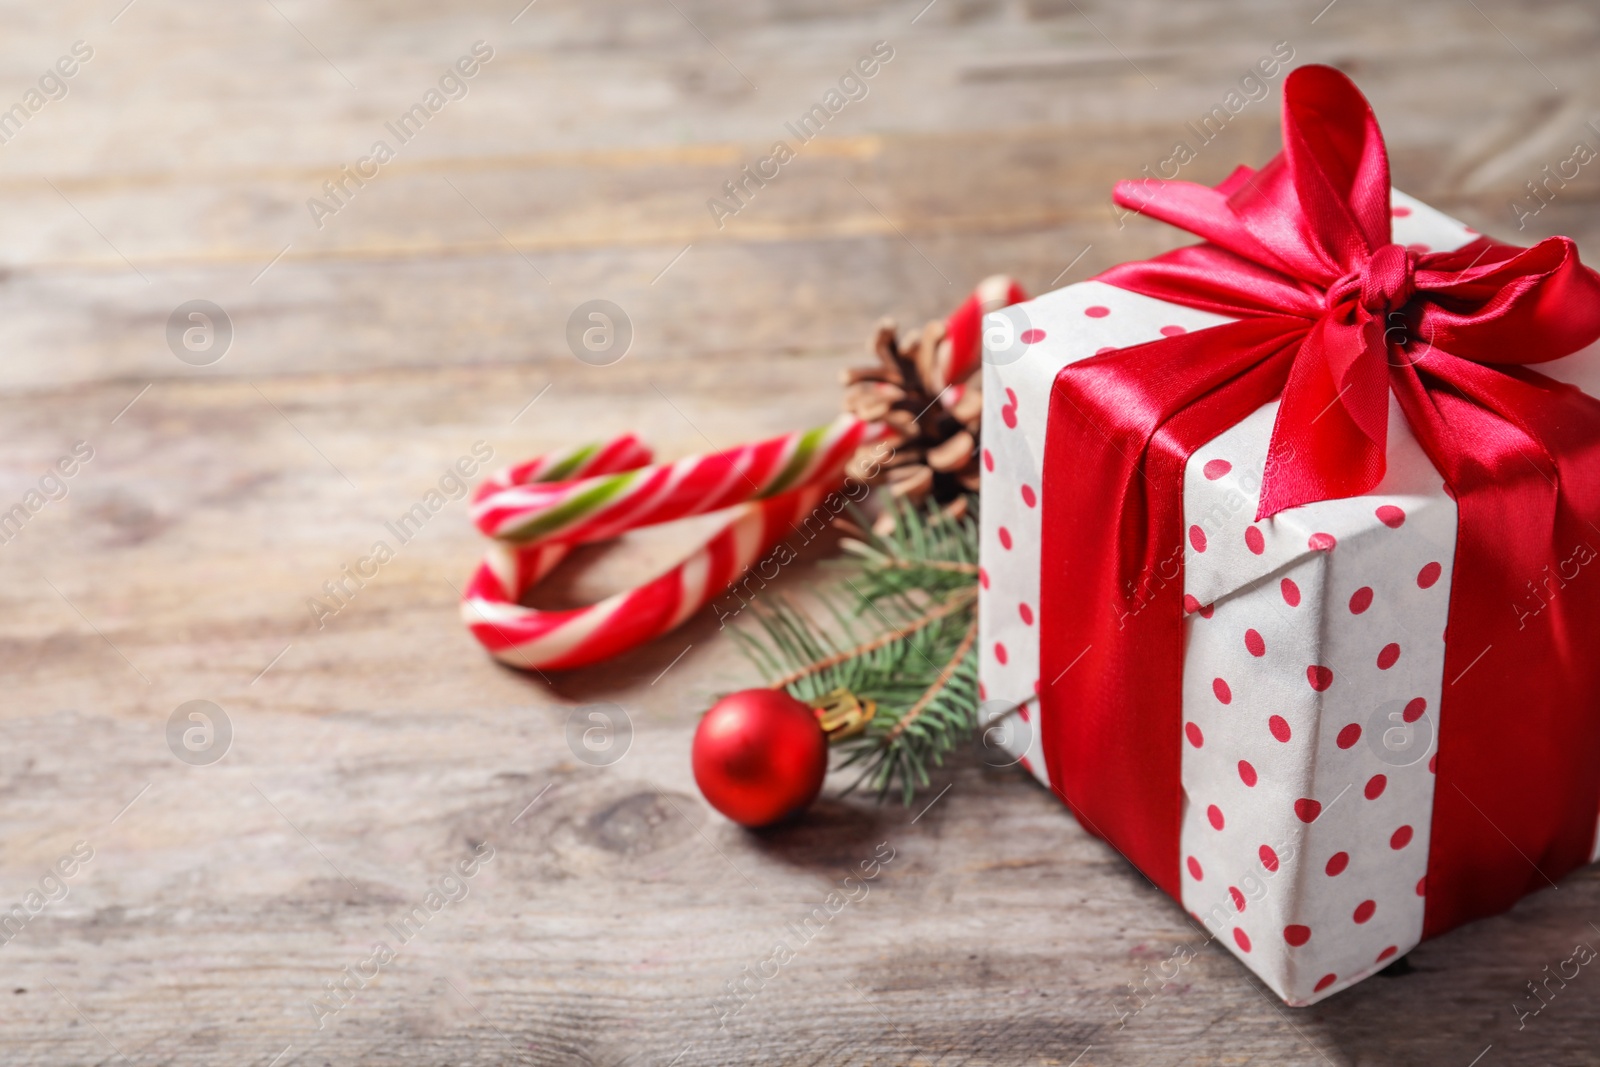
[[370, 756]]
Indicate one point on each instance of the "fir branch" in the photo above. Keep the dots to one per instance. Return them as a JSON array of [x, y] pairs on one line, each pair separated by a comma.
[[944, 676], [906, 645], [956, 603]]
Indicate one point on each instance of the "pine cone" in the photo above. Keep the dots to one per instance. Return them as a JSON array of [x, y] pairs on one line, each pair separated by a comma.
[[935, 438], [935, 422]]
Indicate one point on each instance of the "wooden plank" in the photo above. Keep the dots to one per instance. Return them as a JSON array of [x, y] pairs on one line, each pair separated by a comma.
[[372, 754]]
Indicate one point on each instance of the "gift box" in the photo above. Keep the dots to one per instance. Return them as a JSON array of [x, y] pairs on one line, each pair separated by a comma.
[[1285, 583]]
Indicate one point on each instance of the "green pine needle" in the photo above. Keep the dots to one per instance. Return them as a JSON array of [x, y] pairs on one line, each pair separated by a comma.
[[899, 631]]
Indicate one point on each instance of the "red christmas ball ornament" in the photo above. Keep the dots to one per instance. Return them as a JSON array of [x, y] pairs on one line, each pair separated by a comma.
[[759, 755]]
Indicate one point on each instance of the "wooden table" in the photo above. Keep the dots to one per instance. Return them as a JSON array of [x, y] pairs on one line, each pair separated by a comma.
[[372, 753]]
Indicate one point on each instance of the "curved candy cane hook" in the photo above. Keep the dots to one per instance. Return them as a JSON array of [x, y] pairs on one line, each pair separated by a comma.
[[537, 511]]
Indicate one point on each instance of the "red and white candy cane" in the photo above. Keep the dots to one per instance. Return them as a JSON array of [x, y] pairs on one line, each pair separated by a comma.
[[963, 332], [538, 511]]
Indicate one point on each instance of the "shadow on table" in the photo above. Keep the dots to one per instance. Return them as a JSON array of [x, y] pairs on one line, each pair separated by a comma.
[[838, 831], [1465, 998]]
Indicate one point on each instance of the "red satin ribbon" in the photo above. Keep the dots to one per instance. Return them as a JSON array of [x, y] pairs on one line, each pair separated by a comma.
[[1332, 316]]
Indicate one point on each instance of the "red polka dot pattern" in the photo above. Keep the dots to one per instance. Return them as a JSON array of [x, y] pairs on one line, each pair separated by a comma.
[[1215, 469], [1097, 311], [1290, 591], [1361, 600], [1214, 817], [1388, 656], [1254, 643], [1296, 934], [1241, 939], [1032, 337], [1247, 773], [1269, 859], [1364, 910], [1194, 869], [1375, 786], [1349, 735], [1428, 575], [1337, 863], [1279, 727], [1254, 541], [1192, 732]]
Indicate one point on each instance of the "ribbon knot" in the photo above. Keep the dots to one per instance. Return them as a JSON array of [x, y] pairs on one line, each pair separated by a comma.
[[1389, 280], [1384, 285]]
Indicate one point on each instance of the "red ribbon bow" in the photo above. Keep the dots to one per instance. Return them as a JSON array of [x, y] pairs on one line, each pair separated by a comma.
[[1306, 241], [1332, 316]]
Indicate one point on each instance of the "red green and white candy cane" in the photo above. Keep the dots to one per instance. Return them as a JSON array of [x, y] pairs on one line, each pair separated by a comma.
[[538, 511]]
